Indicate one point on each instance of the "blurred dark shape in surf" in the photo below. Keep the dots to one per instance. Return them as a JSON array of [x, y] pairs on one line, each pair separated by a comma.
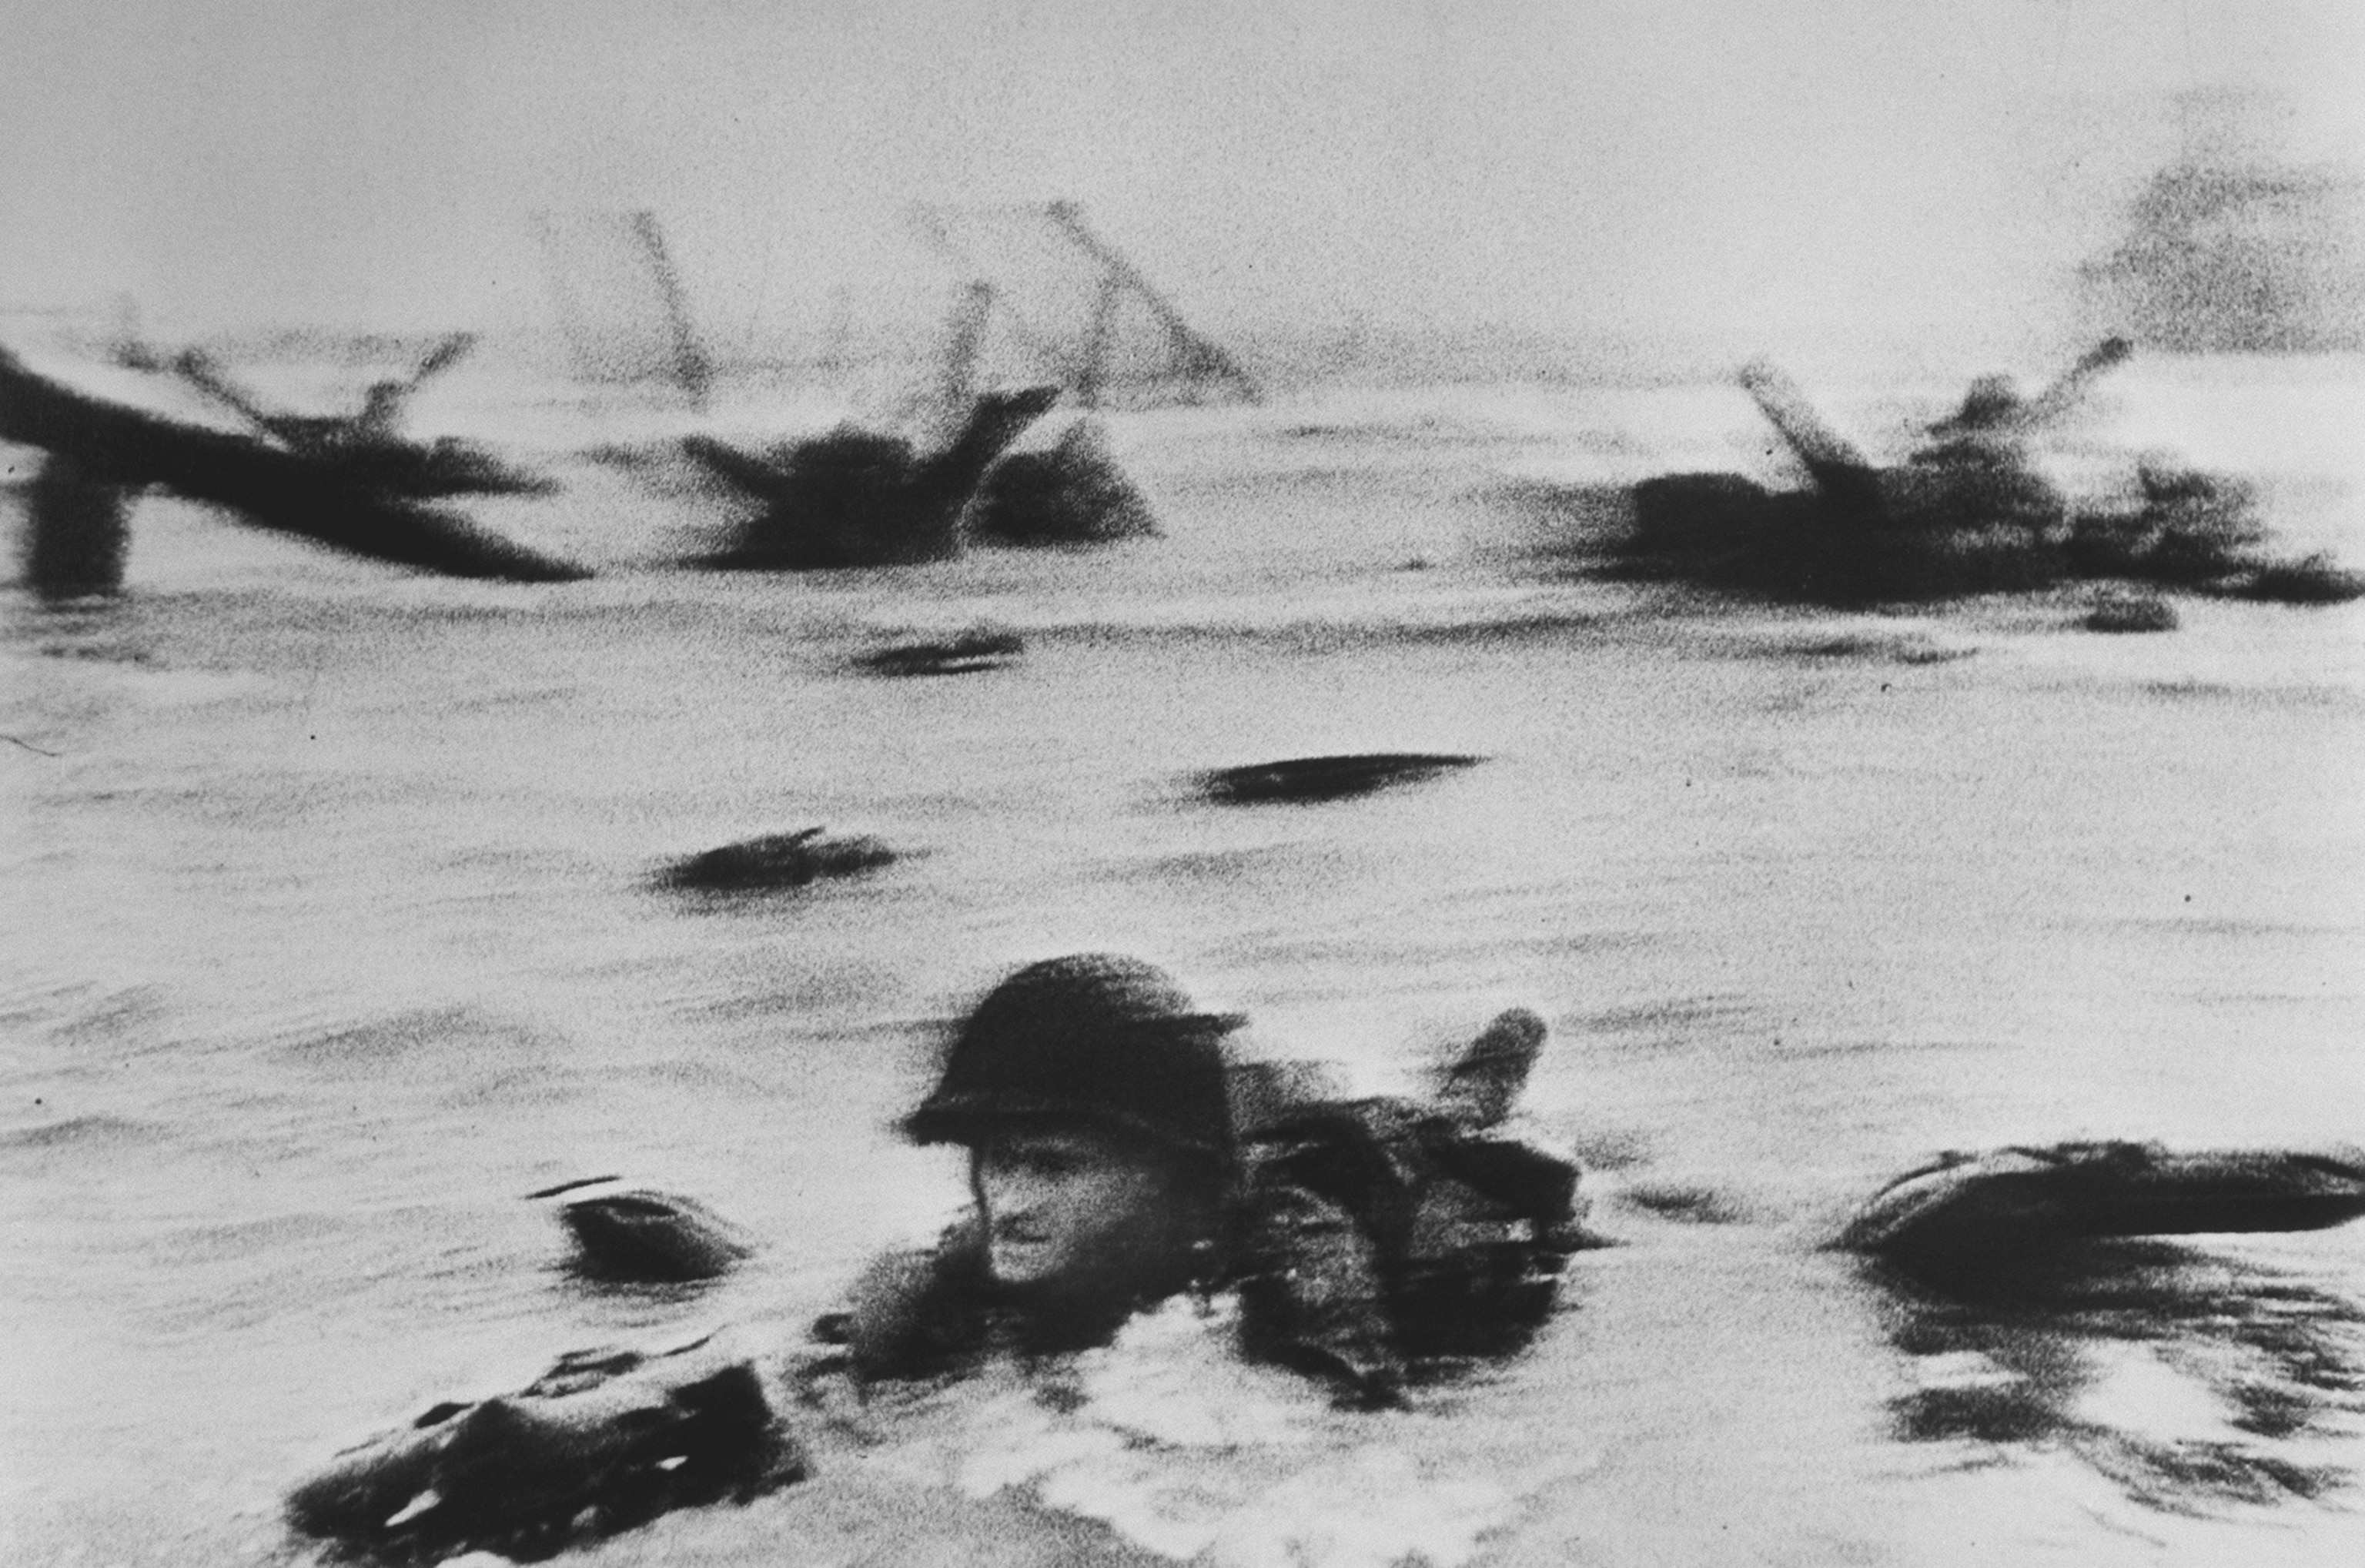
[[602, 1442], [1312, 779], [1966, 1213], [968, 653], [856, 497], [637, 1234], [368, 444], [2201, 532], [1072, 492], [2120, 610], [114, 450], [1968, 511], [2314, 579], [776, 860]]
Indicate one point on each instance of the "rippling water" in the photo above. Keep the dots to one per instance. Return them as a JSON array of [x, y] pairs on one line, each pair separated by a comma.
[[329, 935]]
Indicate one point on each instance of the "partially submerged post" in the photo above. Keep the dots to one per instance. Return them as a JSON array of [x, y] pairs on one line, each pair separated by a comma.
[[1084, 354], [965, 347], [1843, 473], [1195, 359], [957, 382], [692, 368], [620, 301], [76, 530], [1100, 336]]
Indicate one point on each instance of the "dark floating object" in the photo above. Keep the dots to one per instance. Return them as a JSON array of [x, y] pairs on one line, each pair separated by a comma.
[[776, 861], [2200, 532], [860, 499], [602, 1443], [1072, 493], [964, 654], [1328, 778], [325, 497], [628, 1233], [2311, 580], [2189, 530], [1966, 513], [1905, 650], [2131, 612], [1976, 1212], [1685, 1204]]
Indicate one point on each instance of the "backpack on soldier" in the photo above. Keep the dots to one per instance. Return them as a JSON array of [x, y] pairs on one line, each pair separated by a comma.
[[1465, 1226]]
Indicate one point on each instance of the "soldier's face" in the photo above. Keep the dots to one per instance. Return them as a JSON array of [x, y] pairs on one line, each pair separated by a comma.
[[1063, 1205]]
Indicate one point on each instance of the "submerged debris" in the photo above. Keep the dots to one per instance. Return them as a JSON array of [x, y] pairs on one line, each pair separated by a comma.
[[1967, 512], [1968, 1213], [602, 1442], [637, 1234], [1906, 648], [776, 861], [856, 497], [1685, 1203], [2118, 611], [1327, 778], [2311, 580], [369, 444], [326, 496], [2189, 530], [1072, 493], [965, 654], [2200, 532]]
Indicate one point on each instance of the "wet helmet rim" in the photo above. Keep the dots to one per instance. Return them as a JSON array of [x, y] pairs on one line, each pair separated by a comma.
[[1095, 1038]]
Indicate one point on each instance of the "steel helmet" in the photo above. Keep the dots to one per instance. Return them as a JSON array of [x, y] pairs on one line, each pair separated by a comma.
[[1101, 1038]]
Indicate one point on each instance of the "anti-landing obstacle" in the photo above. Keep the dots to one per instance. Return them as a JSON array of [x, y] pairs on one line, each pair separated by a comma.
[[112, 448]]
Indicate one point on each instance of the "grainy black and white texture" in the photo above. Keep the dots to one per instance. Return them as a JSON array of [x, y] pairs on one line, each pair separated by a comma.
[[1694, 568]]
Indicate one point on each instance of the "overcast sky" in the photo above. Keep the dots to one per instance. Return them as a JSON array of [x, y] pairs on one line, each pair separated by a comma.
[[1727, 166]]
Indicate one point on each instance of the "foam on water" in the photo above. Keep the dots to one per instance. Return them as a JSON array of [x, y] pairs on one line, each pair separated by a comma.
[[1167, 1436]]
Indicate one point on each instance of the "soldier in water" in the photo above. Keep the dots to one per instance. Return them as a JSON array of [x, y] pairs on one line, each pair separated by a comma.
[[1363, 1239], [1107, 1173]]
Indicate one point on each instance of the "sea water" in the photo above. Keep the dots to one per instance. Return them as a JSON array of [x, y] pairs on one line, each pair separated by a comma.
[[330, 933]]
